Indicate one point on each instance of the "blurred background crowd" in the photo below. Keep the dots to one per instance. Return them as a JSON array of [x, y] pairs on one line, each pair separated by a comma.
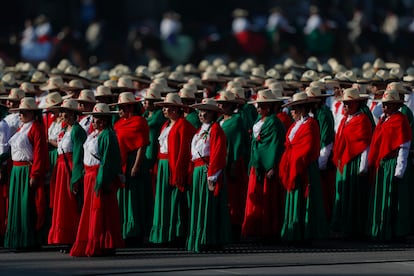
[[106, 32]]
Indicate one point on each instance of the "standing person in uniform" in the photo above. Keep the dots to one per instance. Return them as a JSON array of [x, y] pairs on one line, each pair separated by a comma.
[[99, 231], [350, 156], [304, 218], [27, 199], [209, 214], [68, 180], [134, 199], [4, 171], [388, 213], [265, 196], [170, 223], [86, 102]]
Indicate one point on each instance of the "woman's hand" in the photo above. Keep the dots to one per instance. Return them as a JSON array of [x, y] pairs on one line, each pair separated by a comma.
[[134, 171], [270, 173]]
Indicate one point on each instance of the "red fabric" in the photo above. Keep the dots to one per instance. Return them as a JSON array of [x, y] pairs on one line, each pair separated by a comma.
[[251, 43], [299, 153], [237, 178], [48, 119], [218, 154], [132, 134], [179, 151], [285, 119], [337, 106], [65, 216], [388, 136], [351, 139]]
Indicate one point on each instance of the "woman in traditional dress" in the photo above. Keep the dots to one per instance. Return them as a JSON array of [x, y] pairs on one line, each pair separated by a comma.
[[388, 212], [68, 181], [209, 214], [304, 215], [27, 199], [170, 222], [135, 199], [265, 196], [99, 231], [350, 156]]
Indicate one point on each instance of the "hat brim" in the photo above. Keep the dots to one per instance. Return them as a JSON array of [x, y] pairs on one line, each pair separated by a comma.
[[65, 108], [169, 104], [235, 101], [266, 101], [393, 101], [362, 97], [128, 103], [301, 102], [206, 107], [101, 113]]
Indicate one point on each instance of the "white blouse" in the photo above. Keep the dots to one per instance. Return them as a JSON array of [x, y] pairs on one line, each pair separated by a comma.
[[65, 144], [200, 145], [13, 121], [163, 139], [54, 130], [296, 126], [257, 127], [4, 137], [86, 122], [21, 148], [91, 153]]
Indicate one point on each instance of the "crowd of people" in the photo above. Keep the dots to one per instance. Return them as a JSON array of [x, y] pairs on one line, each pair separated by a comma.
[[198, 156]]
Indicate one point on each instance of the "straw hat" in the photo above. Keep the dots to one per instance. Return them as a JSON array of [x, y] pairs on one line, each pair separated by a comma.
[[300, 98], [15, 94], [103, 91], [38, 77], [187, 92], [152, 94], [86, 95], [27, 103], [163, 85], [239, 93], [379, 64], [125, 82], [398, 86], [74, 85], [29, 88], [207, 104], [309, 75], [265, 96], [54, 82], [125, 98], [101, 109], [277, 90], [315, 92], [352, 94], [228, 97], [211, 77], [391, 96], [172, 99], [9, 80], [67, 104], [273, 73], [396, 73], [52, 99], [43, 66]]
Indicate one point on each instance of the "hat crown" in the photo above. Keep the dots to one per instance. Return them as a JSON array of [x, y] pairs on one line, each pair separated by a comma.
[[8, 79], [28, 103], [101, 108], [177, 76], [313, 91], [264, 95], [173, 98], [300, 96], [277, 92], [350, 94], [209, 75], [76, 83], [391, 96], [195, 80], [186, 93], [126, 97], [125, 82], [310, 75], [56, 81], [38, 76], [27, 87], [398, 86], [273, 73], [382, 75], [53, 98], [69, 103], [397, 72], [87, 95], [226, 96], [238, 92], [209, 101], [16, 94], [152, 93], [103, 90], [110, 83]]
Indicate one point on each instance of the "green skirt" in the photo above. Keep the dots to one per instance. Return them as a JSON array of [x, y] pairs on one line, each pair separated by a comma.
[[21, 227], [209, 214], [305, 218], [388, 212], [351, 200], [170, 221]]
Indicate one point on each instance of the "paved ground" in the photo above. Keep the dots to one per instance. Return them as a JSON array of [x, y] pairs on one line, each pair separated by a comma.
[[323, 258]]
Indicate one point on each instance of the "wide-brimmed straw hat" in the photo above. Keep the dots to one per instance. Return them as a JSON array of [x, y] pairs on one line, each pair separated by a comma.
[[207, 104], [86, 95], [227, 96], [55, 82], [391, 96], [152, 94], [103, 91], [52, 99], [101, 109], [38, 77], [171, 99], [74, 85], [210, 76], [300, 98], [125, 98], [29, 88], [352, 94], [15, 94], [27, 103], [265, 96], [398, 86], [315, 92], [67, 104]]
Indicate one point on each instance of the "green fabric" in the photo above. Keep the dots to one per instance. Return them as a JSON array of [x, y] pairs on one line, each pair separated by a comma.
[[78, 136], [209, 214], [110, 162], [170, 207], [237, 138], [388, 212], [267, 150], [192, 117], [350, 209], [53, 154], [326, 125], [248, 114], [155, 123], [135, 201], [304, 217], [21, 232]]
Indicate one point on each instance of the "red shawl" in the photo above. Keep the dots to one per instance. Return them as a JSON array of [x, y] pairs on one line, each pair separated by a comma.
[[388, 136], [285, 119], [179, 151], [132, 133], [218, 153], [351, 139], [299, 153]]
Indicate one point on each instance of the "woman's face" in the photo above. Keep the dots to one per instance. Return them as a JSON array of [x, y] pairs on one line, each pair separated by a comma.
[[149, 105], [226, 107], [350, 107], [68, 116], [26, 116], [390, 108], [170, 112], [297, 112], [206, 116], [99, 123], [125, 110], [264, 109]]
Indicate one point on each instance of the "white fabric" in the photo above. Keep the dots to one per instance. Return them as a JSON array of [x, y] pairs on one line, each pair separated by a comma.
[[91, 155], [65, 144], [240, 24], [54, 130], [324, 154], [200, 144], [314, 22], [409, 101], [337, 113], [402, 159], [21, 148], [363, 165], [163, 139], [85, 123], [4, 137], [13, 121], [296, 126], [257, 127]]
